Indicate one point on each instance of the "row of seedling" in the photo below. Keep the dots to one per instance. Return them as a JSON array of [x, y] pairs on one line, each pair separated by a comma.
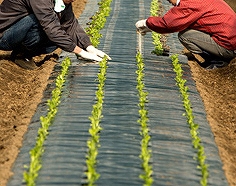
[[31, 174], [95, 128], [146, 153], [36, 153], [96, 24], [98, 21], [196, 141], [158, 47]]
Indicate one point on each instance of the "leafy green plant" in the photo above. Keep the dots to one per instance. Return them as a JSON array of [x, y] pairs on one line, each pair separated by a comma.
[[97, 23], [95, 128], [196, 141], [36, 153], [145, 154], [158, 48]]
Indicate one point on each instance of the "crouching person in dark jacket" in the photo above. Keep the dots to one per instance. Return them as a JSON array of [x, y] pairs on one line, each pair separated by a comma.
[[40, 27]]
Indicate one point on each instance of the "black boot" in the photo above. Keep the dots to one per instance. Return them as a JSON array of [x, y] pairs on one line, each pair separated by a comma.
[[25, 63], [19, 58], [212, 62]]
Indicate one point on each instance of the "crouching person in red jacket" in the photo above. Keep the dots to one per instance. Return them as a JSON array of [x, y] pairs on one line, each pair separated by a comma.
[[206, 28], [35, 27]]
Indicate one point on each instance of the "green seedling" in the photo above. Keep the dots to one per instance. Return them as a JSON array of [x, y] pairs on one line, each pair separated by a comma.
[[97, 23], [158, 48], [31, 174], [145, 154], [196, 141]]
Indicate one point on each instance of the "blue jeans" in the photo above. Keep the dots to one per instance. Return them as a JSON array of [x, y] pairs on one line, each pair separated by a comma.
[[28, 37]]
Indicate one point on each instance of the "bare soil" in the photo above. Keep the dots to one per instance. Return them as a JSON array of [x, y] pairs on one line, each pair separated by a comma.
[[21, 91]]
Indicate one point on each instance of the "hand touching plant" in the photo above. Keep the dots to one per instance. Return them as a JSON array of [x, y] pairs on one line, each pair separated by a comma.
[[142, 27], [93, 50], [90, 56]]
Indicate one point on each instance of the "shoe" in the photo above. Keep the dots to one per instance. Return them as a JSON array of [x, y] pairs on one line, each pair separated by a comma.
[[218, 64], [213, 64], [25, 63], [16, 53]]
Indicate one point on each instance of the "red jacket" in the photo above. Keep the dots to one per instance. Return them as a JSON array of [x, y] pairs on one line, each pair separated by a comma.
[[214, 17]]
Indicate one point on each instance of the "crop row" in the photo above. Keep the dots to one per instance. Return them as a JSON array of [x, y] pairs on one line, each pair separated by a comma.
[[158, 48], [196, 141], [98, 21], [146, 153], [30, 176], [36, 153], [96, 24], [95, 128]]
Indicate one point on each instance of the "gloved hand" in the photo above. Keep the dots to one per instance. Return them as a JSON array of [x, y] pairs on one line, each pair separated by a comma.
[[93, 50], [142, 27], [90, 56], [59, 6]]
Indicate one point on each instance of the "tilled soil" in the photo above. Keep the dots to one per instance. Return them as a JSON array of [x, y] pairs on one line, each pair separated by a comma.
[[22, 90]]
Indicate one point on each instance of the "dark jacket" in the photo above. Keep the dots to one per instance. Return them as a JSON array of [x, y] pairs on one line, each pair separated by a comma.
[[65, 31]]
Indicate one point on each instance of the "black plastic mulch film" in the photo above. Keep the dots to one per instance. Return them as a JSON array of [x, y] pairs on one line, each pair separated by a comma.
[[63, 162]]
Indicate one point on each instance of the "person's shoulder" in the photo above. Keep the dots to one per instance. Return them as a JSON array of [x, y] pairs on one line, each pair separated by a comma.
[[196, 3]]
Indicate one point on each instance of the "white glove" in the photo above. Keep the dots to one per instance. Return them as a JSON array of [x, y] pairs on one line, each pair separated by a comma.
[[142, 27], [93, 50], [59, 6], [90, 56]]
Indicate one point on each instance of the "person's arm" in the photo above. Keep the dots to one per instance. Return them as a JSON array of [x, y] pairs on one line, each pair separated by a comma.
[[44, 11], [77, 50], [72, 27], [176, 19], [70, 24]]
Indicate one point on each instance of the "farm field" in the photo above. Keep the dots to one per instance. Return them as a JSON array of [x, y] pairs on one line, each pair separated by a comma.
[[21, 92]]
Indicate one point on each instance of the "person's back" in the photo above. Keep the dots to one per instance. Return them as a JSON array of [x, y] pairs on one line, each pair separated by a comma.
[[12, 11]]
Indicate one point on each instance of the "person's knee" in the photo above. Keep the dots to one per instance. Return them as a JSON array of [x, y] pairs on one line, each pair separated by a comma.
[[34, 37], [183, 36], [4, 45], [180, 34], [32, 40], [31, 18]]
